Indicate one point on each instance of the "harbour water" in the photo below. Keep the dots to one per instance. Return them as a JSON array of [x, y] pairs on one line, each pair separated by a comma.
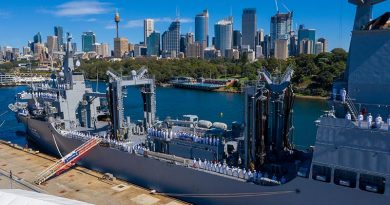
[[213, 106]]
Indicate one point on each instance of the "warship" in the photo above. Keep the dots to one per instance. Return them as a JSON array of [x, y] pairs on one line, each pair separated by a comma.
[[201, 162]]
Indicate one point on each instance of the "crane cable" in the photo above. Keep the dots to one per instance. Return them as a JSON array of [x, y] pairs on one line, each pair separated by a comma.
[[228, 195]]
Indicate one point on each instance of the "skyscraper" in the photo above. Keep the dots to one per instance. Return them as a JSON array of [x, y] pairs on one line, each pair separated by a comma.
[[88, 39], [237, 39], [38, 38], [202, 28], [306, 46], [59, 32], [224, 35], [259, 37], [307, 34], [148, 29], [121, 46], [171, 39], [52, 44], [249, 21], [153, 46], [325, 43], [281, 27], [281, 49]]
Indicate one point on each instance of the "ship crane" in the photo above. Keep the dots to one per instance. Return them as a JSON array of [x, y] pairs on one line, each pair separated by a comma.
[[67, 161], [116, 95]]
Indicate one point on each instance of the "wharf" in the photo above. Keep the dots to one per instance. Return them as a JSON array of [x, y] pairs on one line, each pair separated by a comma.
[[78, 183]]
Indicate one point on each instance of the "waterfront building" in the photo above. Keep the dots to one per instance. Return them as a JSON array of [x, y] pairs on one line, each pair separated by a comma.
[[52, 44], [249, 21], [325, 44], [153, 44], [224, 35], [307, 34], [148, 29], [281, 49], [281, 27], [171, 39], [88, 39], [237, 39], [59, 32], [121, 47]]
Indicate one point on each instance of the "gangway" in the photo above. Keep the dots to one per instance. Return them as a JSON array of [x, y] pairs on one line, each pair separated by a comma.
[[67, 161]]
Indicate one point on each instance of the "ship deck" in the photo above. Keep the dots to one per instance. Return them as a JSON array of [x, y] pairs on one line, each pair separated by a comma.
[[77, 183]]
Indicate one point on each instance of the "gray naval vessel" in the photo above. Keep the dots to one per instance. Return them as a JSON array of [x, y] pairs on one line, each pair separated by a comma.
[[207, 163]]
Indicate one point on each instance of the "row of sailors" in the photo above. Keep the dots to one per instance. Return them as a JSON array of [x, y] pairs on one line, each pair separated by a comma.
[[236, 172], [184, 136], [369, 119], [80, 134], [45, 95]]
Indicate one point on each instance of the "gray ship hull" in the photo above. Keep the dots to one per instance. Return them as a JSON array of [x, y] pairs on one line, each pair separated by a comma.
[[178, 180]]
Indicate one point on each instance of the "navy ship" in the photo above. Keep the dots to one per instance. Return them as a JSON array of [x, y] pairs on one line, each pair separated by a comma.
[[206, 163]]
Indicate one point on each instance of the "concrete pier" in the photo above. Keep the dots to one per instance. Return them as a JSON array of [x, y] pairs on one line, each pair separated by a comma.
[[78, 183]]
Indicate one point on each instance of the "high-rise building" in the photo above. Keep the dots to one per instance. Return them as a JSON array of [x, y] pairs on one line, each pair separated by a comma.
[[224, 35], [281, 49], [319, 47], [105, 50], [26, 50], [38, 38], [148, 29], [171, 39], [183, 43], [281, 27], [52, 44], [39, 51], [307, 34], [153, 46], [306, 46], [249, 21], [88, 39], [293, 46], [59, 32], [259, 52], [202, 28], [237, 39], [325, 43], [121, 46], [193, 50], [259, 37]]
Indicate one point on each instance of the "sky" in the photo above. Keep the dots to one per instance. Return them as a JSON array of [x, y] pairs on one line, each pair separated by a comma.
[[20, 20]]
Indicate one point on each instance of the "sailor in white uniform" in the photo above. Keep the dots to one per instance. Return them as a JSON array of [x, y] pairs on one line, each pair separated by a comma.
[[369, 120], [348, 116], [343, 94], [360, 120]]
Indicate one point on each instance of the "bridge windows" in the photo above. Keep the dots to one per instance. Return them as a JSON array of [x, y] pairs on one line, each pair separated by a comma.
[[345, 178], [321, 173], [372, 183]]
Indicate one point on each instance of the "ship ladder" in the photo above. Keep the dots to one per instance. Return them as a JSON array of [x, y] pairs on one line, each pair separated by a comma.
[[67, 161], [351, 108]]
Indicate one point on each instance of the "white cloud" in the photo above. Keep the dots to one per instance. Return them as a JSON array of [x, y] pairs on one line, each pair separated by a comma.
[[80, 8], [137, 23]]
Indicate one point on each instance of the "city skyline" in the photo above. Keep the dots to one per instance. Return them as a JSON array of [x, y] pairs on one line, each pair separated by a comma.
[[78, 17]]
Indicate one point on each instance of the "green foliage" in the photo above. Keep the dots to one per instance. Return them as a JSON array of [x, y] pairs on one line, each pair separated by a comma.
[[313, 74]]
